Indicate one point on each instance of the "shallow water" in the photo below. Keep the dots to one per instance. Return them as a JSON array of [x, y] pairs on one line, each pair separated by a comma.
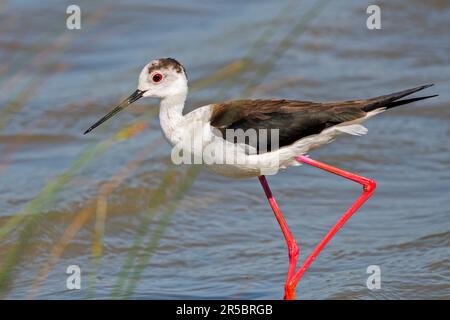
[[139, 227]]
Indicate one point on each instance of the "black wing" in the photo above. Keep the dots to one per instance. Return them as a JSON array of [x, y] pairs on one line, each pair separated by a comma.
[[293, 119], [298, 119]]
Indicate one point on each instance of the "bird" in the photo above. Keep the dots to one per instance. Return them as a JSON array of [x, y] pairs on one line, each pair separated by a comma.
[[251, 138]]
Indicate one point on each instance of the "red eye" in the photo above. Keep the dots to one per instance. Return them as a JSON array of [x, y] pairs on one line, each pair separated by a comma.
[[157, 77]]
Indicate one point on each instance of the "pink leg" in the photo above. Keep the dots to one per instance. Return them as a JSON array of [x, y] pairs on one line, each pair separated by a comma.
[[289, 291], [293, 277]]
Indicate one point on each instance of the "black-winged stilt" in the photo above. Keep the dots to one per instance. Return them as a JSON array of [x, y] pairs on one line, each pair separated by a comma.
[[251, 138]]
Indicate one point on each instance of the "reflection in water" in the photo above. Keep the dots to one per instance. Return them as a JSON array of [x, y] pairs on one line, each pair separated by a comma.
[[140, 227]]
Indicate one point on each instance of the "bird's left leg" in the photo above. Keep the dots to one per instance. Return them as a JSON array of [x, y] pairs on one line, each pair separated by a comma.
[[293, 277], [368, 185]]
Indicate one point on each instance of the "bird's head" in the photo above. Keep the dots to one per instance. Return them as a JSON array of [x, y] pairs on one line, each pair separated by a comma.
[[160, 78]]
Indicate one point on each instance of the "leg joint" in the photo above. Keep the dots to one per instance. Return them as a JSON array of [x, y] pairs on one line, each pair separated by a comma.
[[369, 185]]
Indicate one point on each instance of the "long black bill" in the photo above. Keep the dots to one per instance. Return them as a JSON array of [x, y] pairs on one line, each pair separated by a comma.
[[125, 103]]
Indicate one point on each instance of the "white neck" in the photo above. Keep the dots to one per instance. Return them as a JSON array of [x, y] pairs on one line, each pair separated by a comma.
[[171, 114]]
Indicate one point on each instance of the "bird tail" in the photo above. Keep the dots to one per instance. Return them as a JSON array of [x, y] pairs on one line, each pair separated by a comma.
[[392, 100]]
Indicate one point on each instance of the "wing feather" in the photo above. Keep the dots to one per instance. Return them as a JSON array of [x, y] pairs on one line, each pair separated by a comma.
[[294, 119]]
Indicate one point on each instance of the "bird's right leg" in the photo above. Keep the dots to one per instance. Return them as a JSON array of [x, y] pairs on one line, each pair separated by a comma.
[[293, 249]]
